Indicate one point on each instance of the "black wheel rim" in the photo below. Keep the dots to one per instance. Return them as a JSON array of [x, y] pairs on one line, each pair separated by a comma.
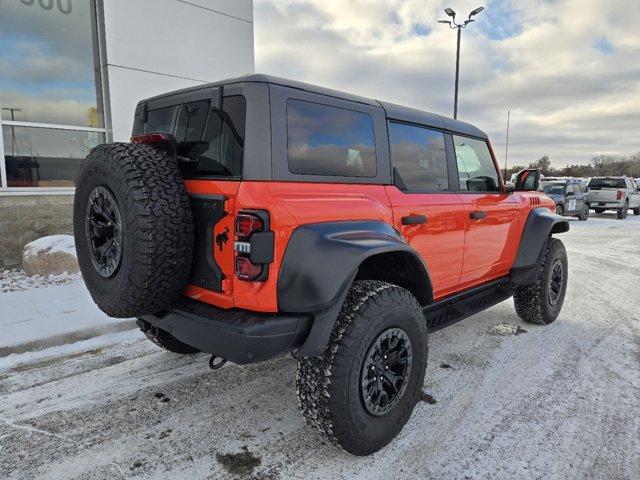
[[385, 371], [103, 229], [557, 279]]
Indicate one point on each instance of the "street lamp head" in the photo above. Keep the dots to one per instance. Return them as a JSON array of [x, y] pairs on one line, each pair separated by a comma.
[[476, 11], [450, 12], [445, 21]]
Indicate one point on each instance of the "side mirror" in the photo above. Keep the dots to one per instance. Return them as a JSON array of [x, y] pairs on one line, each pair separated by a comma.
[[528, 180], [509, 187]]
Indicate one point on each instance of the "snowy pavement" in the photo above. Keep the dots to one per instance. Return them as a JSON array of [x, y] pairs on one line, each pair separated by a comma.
[[37, 318], [561, 401]]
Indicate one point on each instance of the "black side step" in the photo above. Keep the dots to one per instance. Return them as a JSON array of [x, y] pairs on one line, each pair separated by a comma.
[[457, 307]]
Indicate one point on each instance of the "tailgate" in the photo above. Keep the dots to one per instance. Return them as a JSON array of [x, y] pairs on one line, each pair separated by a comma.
[[599, 194]]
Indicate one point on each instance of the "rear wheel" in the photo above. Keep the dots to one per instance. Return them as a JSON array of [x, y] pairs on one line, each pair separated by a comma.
[[624, 211], [541, 301], [584, 213], [636, 211], [164, 339], [361, 391]]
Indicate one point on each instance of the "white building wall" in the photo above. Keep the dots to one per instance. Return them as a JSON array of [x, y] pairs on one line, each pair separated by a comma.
[[156, 46]]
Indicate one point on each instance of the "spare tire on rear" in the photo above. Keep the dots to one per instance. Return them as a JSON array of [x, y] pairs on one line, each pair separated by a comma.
[[133, 229]]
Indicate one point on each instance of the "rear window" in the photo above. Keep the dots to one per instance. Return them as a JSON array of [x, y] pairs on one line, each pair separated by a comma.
[[213, 139], [326, 140], [608, 183]]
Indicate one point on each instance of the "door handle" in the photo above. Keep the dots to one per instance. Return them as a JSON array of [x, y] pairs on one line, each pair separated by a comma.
[[414, 219], [477, 215]]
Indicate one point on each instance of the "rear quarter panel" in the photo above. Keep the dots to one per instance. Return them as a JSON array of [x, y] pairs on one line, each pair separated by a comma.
[[290, 204]]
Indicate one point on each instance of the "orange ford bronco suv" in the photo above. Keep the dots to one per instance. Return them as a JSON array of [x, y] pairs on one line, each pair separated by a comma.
[[259, 216]]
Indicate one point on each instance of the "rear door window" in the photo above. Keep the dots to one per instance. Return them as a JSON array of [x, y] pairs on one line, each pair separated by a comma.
[[419, 158], [327, 140], [476, 170]]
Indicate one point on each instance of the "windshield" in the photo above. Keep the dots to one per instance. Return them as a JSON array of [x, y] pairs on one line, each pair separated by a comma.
[[553, 188], [607, 183]]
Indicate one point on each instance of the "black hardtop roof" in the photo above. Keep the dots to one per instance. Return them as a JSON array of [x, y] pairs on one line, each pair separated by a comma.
[[394, 112]]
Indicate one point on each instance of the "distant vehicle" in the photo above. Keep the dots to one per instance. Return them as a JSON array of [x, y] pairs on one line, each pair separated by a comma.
[[571, 197], [614, 193]]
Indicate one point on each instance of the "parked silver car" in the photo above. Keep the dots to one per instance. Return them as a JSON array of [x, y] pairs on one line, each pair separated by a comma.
[[614, 193]]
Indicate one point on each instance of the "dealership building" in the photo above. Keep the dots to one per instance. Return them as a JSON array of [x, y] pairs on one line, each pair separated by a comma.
[[71, 73]]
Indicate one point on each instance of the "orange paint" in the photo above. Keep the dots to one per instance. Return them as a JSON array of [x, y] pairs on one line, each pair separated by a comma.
[[459, 252]]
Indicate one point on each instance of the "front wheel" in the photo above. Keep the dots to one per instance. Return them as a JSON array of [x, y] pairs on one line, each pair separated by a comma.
[[636, 211], [559, 209], [362, 390], [541, 301]]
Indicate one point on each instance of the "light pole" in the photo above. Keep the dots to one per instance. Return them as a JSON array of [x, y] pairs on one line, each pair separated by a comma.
[[452, 24]]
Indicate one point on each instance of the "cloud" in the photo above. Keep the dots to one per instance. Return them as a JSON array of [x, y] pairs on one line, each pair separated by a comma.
[[567, 69]]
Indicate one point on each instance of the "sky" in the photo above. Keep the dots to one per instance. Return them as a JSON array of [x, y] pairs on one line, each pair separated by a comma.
[[568, 70]]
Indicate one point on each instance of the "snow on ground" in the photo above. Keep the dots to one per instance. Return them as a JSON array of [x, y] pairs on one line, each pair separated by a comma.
[[554, 402], [41, 317]]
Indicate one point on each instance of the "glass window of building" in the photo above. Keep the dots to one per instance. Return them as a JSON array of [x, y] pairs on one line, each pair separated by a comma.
[[50, 91]]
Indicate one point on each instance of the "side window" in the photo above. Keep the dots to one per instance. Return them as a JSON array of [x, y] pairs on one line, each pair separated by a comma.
[[569, 189], [325, 140], [476, 170], [419, 158]]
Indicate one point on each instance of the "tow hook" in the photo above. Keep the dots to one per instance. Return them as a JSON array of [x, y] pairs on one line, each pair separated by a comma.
[[216, 362]]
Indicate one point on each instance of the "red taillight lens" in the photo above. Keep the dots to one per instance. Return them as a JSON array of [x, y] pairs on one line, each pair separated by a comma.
[[245, 270], [246, 224], [150, 138], [619, 195]]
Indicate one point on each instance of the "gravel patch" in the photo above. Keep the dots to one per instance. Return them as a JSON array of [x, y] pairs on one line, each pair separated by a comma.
[[18, 281], [505, 329]]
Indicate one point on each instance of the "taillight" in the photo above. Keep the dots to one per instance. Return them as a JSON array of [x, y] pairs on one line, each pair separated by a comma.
[[254, 245], [245, 270], [247, 223], [150, 138], [162, 141], [619, 195]]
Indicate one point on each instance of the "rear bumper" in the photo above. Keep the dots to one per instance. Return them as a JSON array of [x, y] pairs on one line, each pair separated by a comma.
[[239, 336]]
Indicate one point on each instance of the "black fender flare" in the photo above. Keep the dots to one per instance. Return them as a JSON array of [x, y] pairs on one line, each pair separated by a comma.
[[540, 225], [319, 265]]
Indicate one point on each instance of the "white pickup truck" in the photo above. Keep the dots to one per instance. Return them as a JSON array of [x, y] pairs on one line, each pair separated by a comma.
[[614, 193]]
